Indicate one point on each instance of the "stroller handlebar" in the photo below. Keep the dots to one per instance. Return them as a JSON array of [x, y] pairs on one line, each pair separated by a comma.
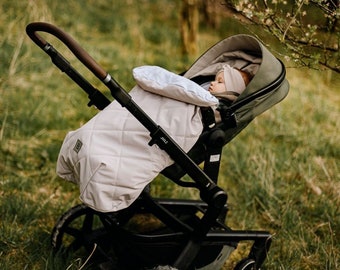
[[76, 49]]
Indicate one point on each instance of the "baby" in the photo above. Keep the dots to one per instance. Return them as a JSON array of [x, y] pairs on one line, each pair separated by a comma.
[[229, 83]]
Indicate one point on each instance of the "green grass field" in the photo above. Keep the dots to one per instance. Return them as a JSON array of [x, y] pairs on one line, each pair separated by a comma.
[[281, 173]]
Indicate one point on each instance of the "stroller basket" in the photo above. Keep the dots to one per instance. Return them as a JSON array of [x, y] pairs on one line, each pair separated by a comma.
[[183, 234]]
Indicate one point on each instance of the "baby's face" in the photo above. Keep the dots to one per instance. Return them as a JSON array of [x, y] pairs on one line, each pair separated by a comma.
[[217, 86]]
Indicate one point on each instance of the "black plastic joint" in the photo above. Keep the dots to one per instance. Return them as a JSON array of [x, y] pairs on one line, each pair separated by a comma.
[[227, 115], [98, 99], [158, 137], [215, 197]]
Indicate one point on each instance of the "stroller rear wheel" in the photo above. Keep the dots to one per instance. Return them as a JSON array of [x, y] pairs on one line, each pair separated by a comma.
[[80, 232]]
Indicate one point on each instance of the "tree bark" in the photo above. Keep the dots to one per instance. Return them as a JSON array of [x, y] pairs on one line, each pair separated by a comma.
[[189, 22]]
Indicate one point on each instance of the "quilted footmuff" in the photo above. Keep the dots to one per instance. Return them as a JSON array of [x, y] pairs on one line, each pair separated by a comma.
[[109, 157]]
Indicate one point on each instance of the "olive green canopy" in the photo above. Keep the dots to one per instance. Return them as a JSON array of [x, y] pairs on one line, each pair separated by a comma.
[[268, 86]]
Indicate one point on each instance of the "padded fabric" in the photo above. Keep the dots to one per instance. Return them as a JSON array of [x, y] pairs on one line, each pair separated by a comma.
[[160, 81], [109, 157]]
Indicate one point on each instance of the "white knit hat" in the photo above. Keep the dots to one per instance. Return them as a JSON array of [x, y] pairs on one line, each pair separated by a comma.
[[233, 79]]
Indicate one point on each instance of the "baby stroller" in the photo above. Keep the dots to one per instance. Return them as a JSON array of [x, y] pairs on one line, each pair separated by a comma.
[[150, 233]]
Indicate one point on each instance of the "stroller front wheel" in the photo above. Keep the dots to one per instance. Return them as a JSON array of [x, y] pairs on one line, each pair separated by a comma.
[[80, 232]]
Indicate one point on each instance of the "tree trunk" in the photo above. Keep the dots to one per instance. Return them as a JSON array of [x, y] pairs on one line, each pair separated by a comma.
[[189, 21], [212, 10]]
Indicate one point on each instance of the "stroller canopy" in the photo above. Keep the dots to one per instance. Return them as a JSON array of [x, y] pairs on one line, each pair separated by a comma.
[[245, 52]]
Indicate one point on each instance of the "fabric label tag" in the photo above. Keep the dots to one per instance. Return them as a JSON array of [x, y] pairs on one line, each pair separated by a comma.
[[77, 146]]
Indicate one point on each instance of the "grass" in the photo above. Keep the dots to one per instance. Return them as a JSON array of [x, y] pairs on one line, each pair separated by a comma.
[[281, 173]]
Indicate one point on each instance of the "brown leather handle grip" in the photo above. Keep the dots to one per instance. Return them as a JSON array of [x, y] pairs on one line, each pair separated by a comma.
[[76, 49]]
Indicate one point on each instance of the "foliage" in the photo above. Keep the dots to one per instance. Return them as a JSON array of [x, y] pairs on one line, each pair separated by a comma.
[[309, 29]]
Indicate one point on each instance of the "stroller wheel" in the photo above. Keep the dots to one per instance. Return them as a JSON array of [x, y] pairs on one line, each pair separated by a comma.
[[80, 232], [246, 264]]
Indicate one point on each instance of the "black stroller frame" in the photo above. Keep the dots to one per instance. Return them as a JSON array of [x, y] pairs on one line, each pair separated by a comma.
[[189, 240]]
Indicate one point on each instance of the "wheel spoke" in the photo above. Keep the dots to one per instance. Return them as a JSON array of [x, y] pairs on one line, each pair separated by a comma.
[[76, 233], [88, 223]]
